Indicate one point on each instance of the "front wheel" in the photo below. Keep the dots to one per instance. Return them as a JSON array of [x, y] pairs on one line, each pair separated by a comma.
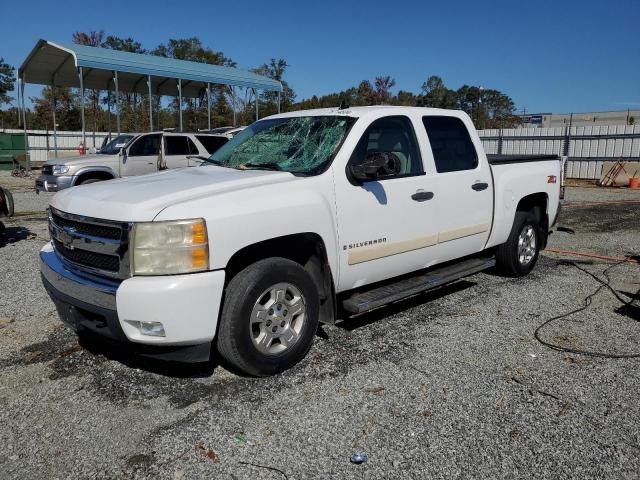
[[269, 317], [519, 254]]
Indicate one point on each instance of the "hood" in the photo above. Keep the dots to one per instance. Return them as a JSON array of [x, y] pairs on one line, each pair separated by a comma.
[[93, 159], [139, 199]]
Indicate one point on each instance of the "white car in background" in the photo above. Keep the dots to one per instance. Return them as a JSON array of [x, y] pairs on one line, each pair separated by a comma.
[[129, 155]]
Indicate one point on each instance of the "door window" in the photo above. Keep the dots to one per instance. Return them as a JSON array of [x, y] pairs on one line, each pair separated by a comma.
[[176, 145], [145, 145], [450, 143], [394, 135]]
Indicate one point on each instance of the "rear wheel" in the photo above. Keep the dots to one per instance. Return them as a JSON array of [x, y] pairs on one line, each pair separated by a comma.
[[519, 254], [269, 317]]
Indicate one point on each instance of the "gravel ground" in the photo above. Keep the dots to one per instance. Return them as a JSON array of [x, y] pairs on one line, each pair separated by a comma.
[[446, 384]]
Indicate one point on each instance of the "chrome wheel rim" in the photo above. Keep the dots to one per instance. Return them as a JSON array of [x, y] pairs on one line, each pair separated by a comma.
[[527, 245], [277, 318]]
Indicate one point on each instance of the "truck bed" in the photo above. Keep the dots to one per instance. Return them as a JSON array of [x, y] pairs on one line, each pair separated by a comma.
[[502, 159]]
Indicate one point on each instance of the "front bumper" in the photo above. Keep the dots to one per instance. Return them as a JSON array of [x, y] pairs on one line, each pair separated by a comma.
[[53, 183], [186, 305]]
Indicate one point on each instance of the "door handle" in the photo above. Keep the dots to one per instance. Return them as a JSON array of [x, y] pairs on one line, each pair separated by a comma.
[[479, 186], [421, 196]]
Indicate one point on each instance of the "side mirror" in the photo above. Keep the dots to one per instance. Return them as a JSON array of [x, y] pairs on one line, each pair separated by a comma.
[[376, 165]]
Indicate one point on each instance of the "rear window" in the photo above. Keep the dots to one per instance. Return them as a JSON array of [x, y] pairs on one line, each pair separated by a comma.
[[450, 143], [211, 143]]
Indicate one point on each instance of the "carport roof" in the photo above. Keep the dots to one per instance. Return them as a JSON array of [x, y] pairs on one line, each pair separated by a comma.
[[58, 63]]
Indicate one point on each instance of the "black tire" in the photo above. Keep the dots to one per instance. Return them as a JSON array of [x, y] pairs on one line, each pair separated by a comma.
[[508, 255], [90, 180], [235, 342], [10, 205]]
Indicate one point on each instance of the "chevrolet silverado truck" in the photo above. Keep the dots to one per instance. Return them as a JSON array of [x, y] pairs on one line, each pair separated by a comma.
[[302, 218], [128, 155]]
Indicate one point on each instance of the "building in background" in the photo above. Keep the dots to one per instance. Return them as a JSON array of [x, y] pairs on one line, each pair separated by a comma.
[[622, 117]]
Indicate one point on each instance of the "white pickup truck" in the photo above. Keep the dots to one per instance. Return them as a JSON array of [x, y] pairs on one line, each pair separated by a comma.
[[302, 217]]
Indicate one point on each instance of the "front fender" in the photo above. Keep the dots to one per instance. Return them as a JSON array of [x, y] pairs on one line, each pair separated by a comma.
[[241, 218], [83, 170]]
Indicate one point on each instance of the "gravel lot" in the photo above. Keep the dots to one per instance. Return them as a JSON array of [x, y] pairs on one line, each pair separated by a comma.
[[445, 384]]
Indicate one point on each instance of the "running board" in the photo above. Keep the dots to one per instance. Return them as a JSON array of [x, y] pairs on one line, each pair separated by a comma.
[[364, 301]]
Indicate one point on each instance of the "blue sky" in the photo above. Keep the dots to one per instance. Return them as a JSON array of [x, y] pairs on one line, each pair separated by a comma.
[[549, 56]]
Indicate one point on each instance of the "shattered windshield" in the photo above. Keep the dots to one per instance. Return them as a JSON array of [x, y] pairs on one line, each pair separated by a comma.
[[303, 145], [114, 146]]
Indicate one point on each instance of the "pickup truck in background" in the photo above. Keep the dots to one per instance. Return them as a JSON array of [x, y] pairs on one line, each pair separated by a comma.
[[300, 218], [129, 155]]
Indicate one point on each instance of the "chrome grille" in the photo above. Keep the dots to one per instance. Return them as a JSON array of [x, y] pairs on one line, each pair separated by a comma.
[[90, 245]]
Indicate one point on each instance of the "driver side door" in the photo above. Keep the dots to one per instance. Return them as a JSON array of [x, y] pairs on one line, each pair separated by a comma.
[[386, 226]]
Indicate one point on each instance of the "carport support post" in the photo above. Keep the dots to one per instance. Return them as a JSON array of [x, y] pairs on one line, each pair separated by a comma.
[[150, 105], [255, 92], [180, 102], [208, 105], [117, 100], [24, 123], [53, 115], [233, 101], [278, 101], [84, 133]]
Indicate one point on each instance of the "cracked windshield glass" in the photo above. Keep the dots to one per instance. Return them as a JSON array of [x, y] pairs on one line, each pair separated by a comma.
[[303, 145]]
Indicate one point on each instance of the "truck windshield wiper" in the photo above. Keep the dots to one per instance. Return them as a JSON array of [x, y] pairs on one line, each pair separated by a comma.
[[261, 166], [207, 159]]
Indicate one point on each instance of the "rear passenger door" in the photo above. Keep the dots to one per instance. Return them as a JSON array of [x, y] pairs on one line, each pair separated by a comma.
[[464, 187], [176, 150], [142, 156]]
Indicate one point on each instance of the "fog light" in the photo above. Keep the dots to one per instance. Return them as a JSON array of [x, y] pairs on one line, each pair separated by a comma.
[[153, 329]]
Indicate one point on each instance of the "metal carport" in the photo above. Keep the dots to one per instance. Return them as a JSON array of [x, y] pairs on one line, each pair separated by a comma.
[[80, 66]]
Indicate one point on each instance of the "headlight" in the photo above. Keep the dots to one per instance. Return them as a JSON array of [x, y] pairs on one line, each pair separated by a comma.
[[60, 169], [167, 248]]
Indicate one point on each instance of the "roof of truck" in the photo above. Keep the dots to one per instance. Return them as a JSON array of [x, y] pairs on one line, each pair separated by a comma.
[[362, 111]]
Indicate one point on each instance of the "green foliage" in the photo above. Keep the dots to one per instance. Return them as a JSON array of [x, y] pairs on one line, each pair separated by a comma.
[[487, 108], [7, 81]]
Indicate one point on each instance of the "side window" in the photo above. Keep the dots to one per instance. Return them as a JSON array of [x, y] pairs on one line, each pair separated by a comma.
[[395, 135], [145, 145], [450, 143], [176, 145], [212, 143]]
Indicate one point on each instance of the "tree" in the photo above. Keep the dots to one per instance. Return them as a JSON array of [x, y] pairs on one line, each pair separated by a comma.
[[382, 86], [123, 44], [7, 81], [91, 39], [436, 95], [275, 69], [67, 111], [365, 93]]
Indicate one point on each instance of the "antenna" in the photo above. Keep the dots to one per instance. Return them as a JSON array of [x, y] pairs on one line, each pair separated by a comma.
[[343, 105]]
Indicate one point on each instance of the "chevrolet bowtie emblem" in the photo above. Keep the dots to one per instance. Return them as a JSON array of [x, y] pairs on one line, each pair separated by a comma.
[[66, 238]]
